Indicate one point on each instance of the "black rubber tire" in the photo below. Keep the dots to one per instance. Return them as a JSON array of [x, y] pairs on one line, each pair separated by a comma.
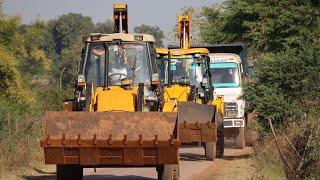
[[220, 135], [168, 172], [239, 141], [210, 150], [66, 172], [250, 134]]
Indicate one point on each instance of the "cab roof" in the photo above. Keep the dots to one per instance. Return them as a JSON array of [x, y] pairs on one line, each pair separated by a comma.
[[98, 37], [178, 52], [162, 51]]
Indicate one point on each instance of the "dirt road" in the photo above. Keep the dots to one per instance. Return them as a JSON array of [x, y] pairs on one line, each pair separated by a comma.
[[236, 164], [192, 166]]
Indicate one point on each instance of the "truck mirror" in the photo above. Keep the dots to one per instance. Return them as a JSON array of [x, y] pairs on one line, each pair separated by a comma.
[[81, 80], [155, 79]]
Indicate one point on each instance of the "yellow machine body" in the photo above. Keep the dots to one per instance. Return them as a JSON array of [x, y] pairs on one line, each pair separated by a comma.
[[174, 94], [106, 124], [113, 99]]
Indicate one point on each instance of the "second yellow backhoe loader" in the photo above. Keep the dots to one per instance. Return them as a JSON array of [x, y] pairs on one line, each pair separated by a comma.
[[188, 91], [113, 120]]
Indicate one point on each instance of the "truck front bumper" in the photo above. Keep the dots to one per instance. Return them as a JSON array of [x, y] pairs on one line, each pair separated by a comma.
[[231, 123]]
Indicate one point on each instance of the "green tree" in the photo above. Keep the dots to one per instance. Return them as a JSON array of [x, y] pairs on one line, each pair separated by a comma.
[[152, 30], [105, 27], [67, 32], [264, 25], [70, 28], [285, 88]]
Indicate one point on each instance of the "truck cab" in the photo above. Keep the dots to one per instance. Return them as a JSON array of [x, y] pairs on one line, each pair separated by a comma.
[[230, 70], [226, 70]]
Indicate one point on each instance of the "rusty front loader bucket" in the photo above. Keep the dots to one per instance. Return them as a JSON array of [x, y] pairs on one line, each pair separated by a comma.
[[196, 122], [201, 123], [92, 139]]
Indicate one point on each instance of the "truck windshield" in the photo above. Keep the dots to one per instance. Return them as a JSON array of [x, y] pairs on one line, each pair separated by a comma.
[[126, 60], [225, 75]]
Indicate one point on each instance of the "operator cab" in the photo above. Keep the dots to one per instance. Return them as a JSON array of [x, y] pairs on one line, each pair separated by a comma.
[[186, 69], [116, 62]]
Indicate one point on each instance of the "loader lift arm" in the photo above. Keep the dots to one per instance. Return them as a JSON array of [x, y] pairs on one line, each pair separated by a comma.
[[184, 31], [120, 18]]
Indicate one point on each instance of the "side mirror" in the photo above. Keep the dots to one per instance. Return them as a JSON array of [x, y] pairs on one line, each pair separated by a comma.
[[81, 82], [155, 79]]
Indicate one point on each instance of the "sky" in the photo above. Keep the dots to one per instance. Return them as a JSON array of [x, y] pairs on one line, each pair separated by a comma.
[[160, 13]]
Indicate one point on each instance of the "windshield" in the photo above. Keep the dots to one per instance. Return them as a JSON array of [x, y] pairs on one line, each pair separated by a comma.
[[183, 70], [126, 60], [224, 74]]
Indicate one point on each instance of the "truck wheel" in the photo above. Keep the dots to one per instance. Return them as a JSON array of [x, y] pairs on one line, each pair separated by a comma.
[[168, 172], [251, 135], [220, 135], [210, 150], [239, 140], [65, 172]]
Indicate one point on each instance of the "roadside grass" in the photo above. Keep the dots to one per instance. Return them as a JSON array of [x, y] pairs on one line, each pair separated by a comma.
[[20, 151], [266, 160], [272, 172]]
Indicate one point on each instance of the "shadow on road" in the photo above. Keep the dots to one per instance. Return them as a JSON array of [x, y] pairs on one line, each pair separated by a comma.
[[43, 177], [90, 177], [112, 177], [242, 156], [191, 157]]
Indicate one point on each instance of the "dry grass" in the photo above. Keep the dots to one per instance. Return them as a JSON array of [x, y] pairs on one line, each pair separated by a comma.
[[266, 160]]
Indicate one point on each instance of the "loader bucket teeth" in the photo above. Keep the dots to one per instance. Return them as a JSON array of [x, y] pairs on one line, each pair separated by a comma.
[[110, 138]]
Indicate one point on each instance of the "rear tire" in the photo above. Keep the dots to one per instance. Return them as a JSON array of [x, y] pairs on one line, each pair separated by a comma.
[[239, 140], [251, 135], [66, 172], [210, 150], [168, 172], [220, 135]]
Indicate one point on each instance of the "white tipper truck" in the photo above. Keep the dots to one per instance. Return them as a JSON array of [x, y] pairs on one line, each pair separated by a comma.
[[229, 69], [226, 69]]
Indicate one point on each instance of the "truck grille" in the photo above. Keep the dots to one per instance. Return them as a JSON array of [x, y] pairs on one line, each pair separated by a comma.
[[231, 109]]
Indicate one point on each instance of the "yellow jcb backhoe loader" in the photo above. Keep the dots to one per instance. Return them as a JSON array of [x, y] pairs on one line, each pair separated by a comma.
[[113, 121], [188, 91]]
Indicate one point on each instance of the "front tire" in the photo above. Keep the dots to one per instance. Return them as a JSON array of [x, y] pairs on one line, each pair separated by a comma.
[[168, 172], [210, 150], [66, 172], [239, 140], [251, 135], [220, 135]]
